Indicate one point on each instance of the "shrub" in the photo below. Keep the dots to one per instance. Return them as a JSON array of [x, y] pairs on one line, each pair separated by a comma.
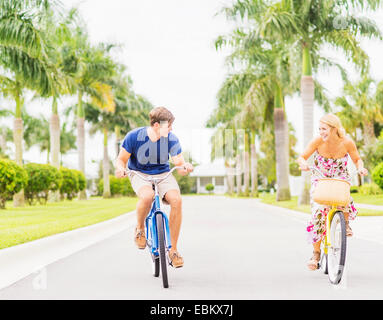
[[294, 169], [13, 178], [354, 189], [70, 183], [370, 189], [126, 187], [209, 187], [185, 183], [81, 179], [377, 175], [42, 178], [117, 186]]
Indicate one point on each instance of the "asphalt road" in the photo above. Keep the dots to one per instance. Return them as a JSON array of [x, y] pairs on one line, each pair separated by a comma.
[[233, 249]]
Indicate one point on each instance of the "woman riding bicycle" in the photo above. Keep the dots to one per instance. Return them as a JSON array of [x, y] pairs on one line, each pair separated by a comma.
[[331, 150]]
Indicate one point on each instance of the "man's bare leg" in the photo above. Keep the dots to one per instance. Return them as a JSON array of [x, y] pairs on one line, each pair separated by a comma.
[[144, 204], [145, 195], [173, 197]]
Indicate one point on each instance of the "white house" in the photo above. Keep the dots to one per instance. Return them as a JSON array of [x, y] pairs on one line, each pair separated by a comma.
[[214, 173]]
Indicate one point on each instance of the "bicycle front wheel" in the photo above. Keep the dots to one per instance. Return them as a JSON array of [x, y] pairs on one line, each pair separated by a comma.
[[162, 249], [336, 257]]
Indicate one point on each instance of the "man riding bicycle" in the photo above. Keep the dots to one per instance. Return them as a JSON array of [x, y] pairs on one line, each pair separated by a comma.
[[147, 149]]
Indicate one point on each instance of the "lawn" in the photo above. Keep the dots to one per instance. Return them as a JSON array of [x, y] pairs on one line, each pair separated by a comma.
[[293, 204], [20, 225], [370, 199]]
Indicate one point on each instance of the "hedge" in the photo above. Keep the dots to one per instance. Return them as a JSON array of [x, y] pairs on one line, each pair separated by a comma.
[[377, 175], [13, 178], [73, 182], [42, 178], [117, 186]]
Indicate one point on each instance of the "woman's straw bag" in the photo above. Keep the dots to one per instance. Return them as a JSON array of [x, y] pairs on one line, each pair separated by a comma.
[[332, 192]]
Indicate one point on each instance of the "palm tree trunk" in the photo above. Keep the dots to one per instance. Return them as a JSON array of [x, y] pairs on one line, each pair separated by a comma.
[[254, 168], [54, 128], [106, 191], [369, 133], [81, 140], [246, 173], [230, 172], [117, 134], [307, 93], [281, 147], [3, 140], [238, 175], [54, 147], [18, 198]]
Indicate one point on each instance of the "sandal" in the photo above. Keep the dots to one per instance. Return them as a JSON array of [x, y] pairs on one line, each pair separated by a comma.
[[313, 263], [349, 232]]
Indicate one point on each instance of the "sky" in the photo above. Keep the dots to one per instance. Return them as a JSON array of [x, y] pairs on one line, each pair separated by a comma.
[[168, 48]]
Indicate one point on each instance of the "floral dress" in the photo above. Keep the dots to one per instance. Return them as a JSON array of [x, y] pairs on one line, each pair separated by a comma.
[[331, 168]]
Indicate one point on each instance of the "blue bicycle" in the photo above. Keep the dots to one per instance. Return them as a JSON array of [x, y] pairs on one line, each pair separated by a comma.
[[157, 231]]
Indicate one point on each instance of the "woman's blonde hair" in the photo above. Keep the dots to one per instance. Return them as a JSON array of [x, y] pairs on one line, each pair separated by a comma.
[[333, 121]]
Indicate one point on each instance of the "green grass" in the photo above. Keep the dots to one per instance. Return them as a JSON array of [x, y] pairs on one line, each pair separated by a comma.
[[370, 199], [293, 205], [20, 225]]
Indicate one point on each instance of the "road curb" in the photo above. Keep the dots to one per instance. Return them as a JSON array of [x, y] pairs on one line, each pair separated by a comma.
[[19, 261]]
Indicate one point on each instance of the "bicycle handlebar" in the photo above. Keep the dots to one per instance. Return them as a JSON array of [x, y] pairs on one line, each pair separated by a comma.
[[157, 180], [313, 168]]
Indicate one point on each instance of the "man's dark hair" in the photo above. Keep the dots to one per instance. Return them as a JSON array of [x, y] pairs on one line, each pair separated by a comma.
[[159, 114]]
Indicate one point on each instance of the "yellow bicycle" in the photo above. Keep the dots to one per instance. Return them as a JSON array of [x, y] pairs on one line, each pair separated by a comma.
[[335, 193]]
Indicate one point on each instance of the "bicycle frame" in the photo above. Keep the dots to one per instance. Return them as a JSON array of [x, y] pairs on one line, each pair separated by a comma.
[[330, 215], [151, 229], [327, 239]]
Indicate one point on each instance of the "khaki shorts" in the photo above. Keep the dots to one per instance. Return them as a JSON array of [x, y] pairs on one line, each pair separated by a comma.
[[170, 183]]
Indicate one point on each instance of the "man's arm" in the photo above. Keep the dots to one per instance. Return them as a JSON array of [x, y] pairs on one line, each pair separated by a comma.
[[121, 162], [179, 161]]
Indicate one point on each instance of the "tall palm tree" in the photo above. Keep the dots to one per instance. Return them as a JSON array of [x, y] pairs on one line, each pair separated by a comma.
[[270, 66], [308, 25], [229, 118], [23, 56], [362, 105], [118, 108], [107, 106], [59, 29], [92, 67]]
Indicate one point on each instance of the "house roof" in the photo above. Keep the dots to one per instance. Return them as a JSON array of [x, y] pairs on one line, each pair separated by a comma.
[[215, 169]]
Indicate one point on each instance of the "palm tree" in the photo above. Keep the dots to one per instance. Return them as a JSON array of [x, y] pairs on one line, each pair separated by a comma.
[[119, 108], [307, 26], [270, 73], [60, 29], [5, 134], [106, 105], [91, 68], [360, 109], [229, 117], [361, 105], [23, 55]]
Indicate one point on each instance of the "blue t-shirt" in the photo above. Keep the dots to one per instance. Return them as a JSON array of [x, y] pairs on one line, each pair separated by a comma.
[[147, 156]]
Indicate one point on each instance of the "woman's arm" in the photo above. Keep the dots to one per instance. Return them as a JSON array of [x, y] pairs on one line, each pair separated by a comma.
[[310, 149], [355, 157]]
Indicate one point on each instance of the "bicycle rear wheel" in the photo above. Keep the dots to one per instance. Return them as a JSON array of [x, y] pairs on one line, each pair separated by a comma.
[[155, 265], [336, 257], [323, 263], [162, 249]]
